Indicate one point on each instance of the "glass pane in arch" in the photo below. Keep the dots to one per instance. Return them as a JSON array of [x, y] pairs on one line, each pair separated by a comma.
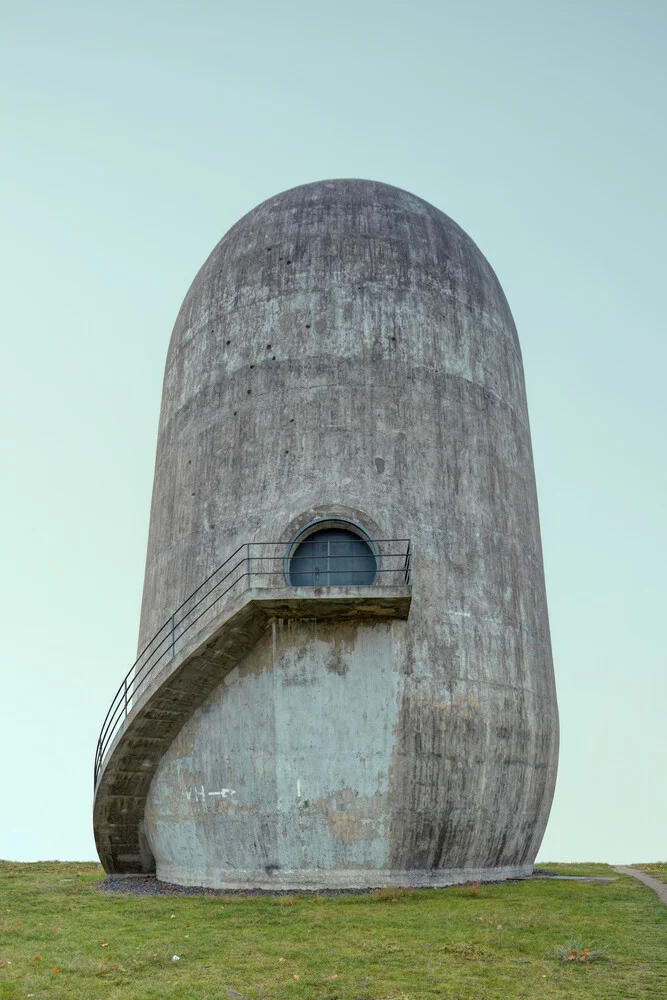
[[332, 557]]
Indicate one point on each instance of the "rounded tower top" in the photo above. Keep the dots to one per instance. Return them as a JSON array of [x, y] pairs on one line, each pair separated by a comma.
[[337, 238]]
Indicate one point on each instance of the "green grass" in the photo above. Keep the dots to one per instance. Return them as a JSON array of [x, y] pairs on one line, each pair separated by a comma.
[[657, 869], [391, 944]]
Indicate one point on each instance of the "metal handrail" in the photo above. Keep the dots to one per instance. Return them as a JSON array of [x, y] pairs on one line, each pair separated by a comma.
[[164, 641]]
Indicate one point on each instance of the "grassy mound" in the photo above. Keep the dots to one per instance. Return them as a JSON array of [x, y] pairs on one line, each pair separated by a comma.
[[61, 937]]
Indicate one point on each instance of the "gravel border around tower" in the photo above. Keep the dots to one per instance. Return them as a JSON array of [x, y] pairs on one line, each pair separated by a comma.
[[149, 885]]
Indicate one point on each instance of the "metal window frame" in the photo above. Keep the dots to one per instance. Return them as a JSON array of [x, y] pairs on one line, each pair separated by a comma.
[[321, 524]]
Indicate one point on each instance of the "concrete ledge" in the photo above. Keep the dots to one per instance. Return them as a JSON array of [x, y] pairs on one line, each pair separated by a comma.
[[343, 603], [338, 878], [167, 700]]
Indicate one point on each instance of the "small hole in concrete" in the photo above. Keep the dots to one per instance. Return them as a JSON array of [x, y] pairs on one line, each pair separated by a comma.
[[291, 420], [273, 358], [286, 452], [268, 347], [249, 391], [289, 261], [268, 249], [252, 366], [228, 342], [307, 326], [235, 412]]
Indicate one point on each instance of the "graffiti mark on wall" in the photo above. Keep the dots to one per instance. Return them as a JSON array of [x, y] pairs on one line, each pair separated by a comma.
[[199, 794]]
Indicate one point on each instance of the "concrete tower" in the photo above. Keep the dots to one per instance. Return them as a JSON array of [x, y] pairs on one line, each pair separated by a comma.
[[345, 676]]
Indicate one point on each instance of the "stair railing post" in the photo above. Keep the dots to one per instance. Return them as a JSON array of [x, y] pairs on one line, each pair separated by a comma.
[[125, 695], [173, 636]]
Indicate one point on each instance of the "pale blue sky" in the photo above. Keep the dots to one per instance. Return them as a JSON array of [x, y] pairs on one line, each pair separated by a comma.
[[134, 134]]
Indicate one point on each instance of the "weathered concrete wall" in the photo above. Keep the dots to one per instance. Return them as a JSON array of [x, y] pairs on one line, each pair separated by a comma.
[[286, 765], [199, 660], [346, 349]]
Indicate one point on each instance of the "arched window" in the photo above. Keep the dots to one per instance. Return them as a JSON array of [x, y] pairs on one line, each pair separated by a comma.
[[333, 557]]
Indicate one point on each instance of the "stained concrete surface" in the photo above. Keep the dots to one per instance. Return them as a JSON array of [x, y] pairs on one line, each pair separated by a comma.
[[283, 773], [166, 701]]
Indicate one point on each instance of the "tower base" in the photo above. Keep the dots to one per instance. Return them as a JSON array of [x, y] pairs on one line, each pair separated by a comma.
[[319, 879]]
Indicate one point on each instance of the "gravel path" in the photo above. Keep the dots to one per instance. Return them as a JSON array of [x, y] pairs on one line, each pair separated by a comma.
[[653, 883]]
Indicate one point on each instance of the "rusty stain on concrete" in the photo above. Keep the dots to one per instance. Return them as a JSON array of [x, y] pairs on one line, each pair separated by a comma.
[[351, 818]]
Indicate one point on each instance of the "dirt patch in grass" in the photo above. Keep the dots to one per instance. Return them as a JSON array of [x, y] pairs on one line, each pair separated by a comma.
[[60, 937]]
